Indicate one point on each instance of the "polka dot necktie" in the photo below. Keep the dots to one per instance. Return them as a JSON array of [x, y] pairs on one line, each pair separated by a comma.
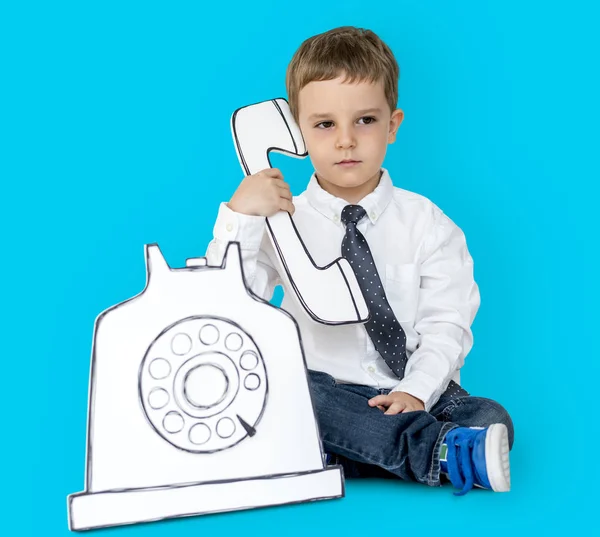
[[383, 328]]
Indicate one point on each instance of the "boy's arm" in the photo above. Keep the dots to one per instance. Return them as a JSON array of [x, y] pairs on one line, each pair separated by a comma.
[[448, 302], [248, 230]]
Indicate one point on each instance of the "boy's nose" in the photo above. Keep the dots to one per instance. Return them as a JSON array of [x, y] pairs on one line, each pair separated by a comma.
[[345, 140]]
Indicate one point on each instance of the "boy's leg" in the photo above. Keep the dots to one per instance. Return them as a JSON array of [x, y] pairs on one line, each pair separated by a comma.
[[472, 411], [478, 412], [406, 445]]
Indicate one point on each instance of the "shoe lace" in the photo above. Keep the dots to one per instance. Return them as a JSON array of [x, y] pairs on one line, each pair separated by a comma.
[[460, 467]]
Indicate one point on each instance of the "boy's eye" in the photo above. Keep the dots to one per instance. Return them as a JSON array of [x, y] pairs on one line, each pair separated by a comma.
[[325, 124], [369, 120]]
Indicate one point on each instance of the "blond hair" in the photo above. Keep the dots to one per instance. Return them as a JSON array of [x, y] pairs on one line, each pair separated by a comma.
[[357, 53]]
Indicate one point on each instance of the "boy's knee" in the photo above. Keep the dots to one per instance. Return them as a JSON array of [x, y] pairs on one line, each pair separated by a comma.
[[496, 413]]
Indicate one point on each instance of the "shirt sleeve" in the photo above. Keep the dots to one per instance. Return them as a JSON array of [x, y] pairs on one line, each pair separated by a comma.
[[448, 302], [259, 271]]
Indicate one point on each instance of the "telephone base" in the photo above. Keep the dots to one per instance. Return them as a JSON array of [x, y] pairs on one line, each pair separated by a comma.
[[113, 508]]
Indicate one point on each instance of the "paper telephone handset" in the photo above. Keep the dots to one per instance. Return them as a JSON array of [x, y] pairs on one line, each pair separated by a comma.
[[329, 294]]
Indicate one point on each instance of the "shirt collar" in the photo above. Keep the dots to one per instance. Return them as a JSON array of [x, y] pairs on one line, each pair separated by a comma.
[[331, 207]]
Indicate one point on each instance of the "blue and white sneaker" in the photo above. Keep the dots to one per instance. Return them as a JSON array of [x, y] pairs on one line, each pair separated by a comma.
[[477, 456]]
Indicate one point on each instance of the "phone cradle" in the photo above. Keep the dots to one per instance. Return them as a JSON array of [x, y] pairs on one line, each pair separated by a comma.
[[199, 403]]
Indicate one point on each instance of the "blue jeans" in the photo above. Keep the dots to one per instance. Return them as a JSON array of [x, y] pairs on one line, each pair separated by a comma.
[[368, 443]]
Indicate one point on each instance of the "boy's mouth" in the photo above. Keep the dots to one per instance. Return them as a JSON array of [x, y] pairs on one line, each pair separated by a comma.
[[347, 163]]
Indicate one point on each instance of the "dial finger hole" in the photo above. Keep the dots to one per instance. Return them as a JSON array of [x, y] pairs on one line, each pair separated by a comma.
[[252, 382], [199, 434], [173, 422], [159, 368], [249, 360], [234, 342], [209, 334], [158, 398], [225, 427], [181, 344]]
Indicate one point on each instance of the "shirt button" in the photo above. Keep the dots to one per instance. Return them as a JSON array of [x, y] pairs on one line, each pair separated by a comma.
[[371, 369], [373, 215], [228, 227], [336, 218]]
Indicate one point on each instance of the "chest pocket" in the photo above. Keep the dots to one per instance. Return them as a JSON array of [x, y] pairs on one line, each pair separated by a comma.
[[402, 283]]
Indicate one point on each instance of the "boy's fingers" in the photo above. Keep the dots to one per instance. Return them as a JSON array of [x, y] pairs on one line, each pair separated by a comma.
[[285, 193], [396, 408], [286, 205], [379, 400], [272, 172], [280, 183]]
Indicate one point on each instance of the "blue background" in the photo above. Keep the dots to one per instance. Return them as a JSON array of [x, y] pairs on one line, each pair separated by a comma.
[[114, 120]]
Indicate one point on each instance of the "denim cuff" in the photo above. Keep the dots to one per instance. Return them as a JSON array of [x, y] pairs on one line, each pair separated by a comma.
[[433, 478]]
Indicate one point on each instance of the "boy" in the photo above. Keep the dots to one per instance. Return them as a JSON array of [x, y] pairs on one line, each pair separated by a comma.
[[385, 393]]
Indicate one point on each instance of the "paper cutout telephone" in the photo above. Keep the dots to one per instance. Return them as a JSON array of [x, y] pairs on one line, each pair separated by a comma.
[[330, 294], [198, 402]]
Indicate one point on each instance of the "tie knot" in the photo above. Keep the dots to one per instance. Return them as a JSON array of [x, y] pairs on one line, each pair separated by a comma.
[[353, 213]]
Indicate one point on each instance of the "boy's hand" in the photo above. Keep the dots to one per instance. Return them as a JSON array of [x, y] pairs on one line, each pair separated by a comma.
[[397, 402], [262, 194]]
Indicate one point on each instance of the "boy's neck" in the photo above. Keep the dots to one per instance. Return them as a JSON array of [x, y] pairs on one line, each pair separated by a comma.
[[351, 194]]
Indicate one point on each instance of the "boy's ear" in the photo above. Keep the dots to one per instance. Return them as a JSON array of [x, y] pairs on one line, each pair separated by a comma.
[[395, 121]]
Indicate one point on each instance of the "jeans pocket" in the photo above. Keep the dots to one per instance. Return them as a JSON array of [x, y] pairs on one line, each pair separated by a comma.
[[320, 377], [443, 410]]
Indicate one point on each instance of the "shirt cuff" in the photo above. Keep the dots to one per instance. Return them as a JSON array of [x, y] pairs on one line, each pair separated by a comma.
[[421, 386], [246, 229]]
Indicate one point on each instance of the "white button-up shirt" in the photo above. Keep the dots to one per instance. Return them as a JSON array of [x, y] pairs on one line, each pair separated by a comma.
[[423, 262]]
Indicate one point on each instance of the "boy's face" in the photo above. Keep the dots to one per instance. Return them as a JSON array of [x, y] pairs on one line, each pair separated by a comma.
[[342, 121]]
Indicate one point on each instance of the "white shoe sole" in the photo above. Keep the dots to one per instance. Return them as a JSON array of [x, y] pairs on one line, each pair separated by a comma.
[[496, 457]]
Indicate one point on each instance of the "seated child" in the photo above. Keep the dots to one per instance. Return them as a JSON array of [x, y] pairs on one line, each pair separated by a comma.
[[386, 392]]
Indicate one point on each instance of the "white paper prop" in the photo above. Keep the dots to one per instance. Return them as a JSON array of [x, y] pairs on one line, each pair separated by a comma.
[[330, 294], [198, 403]]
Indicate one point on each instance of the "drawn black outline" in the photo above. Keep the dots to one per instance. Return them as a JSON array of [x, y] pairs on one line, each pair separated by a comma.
[[214, 412], [258, 479], [174, 391], [234, 256], [272, 234], [224, 391]]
